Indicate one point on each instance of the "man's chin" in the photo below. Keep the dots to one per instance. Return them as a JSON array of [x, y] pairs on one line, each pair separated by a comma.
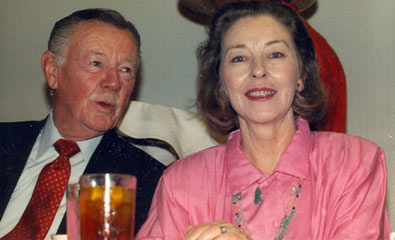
[[101, 127], [100, 123]]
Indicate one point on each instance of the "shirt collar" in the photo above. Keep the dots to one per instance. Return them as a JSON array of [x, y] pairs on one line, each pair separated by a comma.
[[294, 160], [50, 134]]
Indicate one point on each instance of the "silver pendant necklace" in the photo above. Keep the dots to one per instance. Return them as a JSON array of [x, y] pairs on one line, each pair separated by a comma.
[[286, 220]]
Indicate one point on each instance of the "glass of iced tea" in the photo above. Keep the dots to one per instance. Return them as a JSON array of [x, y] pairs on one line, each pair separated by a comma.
[[106, 206]]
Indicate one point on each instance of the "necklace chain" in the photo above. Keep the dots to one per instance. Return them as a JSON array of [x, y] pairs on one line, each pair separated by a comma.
[[286, 220]]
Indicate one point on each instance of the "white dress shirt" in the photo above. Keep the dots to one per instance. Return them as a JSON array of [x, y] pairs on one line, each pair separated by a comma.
[[43, 153]]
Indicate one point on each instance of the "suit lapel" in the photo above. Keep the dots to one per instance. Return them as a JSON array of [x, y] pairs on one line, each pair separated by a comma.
[[15, 150], [100, 161]]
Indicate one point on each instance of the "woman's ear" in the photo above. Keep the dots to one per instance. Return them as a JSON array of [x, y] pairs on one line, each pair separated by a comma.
[[223, 89], [223, 86], [299, 85], [49, 67]]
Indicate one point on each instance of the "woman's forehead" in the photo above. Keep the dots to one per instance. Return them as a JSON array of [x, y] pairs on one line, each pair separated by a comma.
[[257, 28]]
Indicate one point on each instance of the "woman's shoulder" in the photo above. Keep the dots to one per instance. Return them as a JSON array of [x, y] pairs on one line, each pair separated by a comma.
[[201, 162], [343, 141], [339, 152]]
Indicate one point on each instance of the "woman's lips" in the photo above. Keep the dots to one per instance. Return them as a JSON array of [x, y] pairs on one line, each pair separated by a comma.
[[259, 94]]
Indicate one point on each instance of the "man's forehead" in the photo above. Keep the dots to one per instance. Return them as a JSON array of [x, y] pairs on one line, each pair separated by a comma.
[[95, 25], [98, 28], [96, 35]]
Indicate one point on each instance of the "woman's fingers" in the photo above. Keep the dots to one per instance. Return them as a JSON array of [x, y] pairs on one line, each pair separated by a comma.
[[204, 231], [219, 230]]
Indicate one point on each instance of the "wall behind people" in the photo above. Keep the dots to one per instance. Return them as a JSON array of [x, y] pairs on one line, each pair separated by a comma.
[[360, 31]]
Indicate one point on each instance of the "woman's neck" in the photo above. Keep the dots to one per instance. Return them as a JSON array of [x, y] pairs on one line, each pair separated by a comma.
[[263, 144]]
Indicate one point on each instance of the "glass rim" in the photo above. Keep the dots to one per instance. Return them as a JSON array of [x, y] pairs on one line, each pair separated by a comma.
[[101, 179], [122, 175]]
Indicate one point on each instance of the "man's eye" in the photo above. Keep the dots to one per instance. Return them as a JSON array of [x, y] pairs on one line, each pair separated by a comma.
[[126, 69], [276, 55], [95, 63], [238, 59]]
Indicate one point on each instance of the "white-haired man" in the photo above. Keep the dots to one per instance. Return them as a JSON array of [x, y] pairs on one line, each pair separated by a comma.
[[90, 67]]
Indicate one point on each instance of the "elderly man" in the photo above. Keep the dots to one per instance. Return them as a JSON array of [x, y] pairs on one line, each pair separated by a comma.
[[90, 67]]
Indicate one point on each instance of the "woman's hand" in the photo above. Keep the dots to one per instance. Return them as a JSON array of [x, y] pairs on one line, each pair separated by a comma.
[[214, 230]]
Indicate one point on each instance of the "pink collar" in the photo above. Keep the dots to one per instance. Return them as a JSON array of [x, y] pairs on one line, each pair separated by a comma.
[[294, 161]]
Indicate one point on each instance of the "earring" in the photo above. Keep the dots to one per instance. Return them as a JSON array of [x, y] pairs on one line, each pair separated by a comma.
[[297, 86], [223, 89]]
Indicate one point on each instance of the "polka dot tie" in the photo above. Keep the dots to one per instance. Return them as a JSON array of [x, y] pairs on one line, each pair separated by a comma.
[[48, 192]]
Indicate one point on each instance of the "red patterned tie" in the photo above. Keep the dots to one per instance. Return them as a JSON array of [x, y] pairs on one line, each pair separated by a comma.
[[48, 192]]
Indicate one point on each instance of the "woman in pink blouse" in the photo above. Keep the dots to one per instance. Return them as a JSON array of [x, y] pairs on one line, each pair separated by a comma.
[[274, 178]]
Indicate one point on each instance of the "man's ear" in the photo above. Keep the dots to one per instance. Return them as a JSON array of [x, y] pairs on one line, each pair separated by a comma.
[[49, 67]]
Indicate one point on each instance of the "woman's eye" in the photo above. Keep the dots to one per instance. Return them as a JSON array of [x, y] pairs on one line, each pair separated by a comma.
[[276, 55], [238, 59]]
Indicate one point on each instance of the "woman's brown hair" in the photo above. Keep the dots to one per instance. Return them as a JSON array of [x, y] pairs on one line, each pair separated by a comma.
[[213, 103]]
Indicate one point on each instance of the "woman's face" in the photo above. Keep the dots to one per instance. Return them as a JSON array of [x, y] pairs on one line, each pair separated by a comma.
[[260, 69]]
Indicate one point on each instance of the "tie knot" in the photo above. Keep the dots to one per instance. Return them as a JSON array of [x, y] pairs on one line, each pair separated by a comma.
[[66, 148]]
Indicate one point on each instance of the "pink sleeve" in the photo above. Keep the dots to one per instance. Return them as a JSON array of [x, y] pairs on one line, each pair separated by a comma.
[[360, 212], [166, 217]]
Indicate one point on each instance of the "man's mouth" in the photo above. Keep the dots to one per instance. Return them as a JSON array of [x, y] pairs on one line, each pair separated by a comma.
[[105, 104]]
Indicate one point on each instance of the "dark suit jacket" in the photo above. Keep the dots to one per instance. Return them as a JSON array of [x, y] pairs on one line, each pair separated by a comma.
[[113, 154]]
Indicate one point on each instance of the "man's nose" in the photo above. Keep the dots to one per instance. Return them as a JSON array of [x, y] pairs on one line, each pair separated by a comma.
[[111, 79]]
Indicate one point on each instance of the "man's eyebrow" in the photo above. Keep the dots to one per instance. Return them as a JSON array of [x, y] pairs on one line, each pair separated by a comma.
[[95, 53]]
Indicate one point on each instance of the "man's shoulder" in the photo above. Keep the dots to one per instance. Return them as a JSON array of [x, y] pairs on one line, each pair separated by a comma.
[[19, 125], [118, 144], [115, 146], [12, 130]]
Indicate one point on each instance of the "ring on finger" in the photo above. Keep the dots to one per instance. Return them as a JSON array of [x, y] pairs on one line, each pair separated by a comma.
[[223, 229]]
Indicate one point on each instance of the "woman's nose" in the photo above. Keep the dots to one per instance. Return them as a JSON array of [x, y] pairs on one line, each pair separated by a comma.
[[258, 70]]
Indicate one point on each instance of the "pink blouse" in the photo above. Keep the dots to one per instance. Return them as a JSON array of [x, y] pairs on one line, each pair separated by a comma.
[[342, 195]]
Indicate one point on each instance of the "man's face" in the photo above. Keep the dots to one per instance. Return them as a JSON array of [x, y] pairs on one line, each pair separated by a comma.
[[94, 83]]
